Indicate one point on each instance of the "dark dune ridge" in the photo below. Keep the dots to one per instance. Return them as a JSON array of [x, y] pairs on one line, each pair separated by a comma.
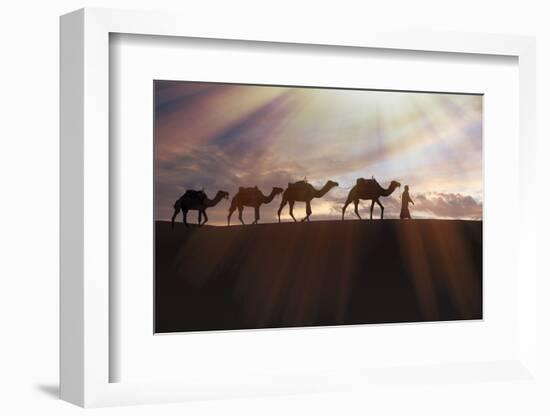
[[316, 274]]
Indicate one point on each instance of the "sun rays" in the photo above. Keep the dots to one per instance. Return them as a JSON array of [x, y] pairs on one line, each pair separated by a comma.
[[221, 136]]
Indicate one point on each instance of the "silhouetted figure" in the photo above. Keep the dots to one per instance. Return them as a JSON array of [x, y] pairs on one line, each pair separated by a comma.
[[251, 197], [405, 199], [368, 189], [303, 192], [197, 201]]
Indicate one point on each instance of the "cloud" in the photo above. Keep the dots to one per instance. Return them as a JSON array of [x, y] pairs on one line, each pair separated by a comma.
[[448, 205], [219, 137]]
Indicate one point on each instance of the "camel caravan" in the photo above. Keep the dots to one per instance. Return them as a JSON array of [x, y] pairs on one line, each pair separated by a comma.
[[301, 191]]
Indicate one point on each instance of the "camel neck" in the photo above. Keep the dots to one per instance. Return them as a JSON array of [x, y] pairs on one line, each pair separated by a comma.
[[212, 202], [388, 191], [321, 192], [267, 199]]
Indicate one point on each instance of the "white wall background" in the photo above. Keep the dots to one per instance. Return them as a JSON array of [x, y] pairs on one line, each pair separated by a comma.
[[29, 204]]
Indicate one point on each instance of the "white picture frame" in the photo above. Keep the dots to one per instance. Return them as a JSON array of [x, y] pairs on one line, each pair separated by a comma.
[[85, 219]]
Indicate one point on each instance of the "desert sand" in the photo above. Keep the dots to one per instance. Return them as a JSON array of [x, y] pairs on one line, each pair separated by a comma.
[[316, 274]]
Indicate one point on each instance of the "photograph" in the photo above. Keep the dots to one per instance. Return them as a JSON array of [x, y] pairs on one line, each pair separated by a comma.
[[280, 206]]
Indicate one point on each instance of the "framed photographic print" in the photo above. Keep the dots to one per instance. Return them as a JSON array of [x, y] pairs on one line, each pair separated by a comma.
[[268, 212], [258, 155]]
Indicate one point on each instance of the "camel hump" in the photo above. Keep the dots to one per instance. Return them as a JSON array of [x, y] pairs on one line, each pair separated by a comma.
[[365, 181], [191, 193], [250, 190], [299, 183]]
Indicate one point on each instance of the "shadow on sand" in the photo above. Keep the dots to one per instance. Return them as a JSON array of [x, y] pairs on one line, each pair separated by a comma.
[[316, 274]]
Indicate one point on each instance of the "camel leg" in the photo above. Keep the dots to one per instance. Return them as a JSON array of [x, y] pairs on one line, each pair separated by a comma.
[[348, 201], [308, 211], [256, 215], [371, 208], [185, 218], [356, 209], [176, 211], [205, 217], [231, 211], [283, 203], [200, 217], [381, 209], [291, 209], [241, 215]]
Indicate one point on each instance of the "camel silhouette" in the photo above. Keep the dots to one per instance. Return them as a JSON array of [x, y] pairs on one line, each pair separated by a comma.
[[302, 191], [251, 197], [368, 189], [196, 201]]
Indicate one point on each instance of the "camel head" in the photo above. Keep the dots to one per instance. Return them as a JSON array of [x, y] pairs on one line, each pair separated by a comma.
[[331, 184], [277, 190], [395, 184], [222, 194]]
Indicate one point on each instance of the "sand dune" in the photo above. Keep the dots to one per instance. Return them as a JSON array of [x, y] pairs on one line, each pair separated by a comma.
[[320, 273]]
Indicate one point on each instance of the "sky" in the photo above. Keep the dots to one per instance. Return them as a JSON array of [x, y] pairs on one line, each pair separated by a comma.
[[216, 136]]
